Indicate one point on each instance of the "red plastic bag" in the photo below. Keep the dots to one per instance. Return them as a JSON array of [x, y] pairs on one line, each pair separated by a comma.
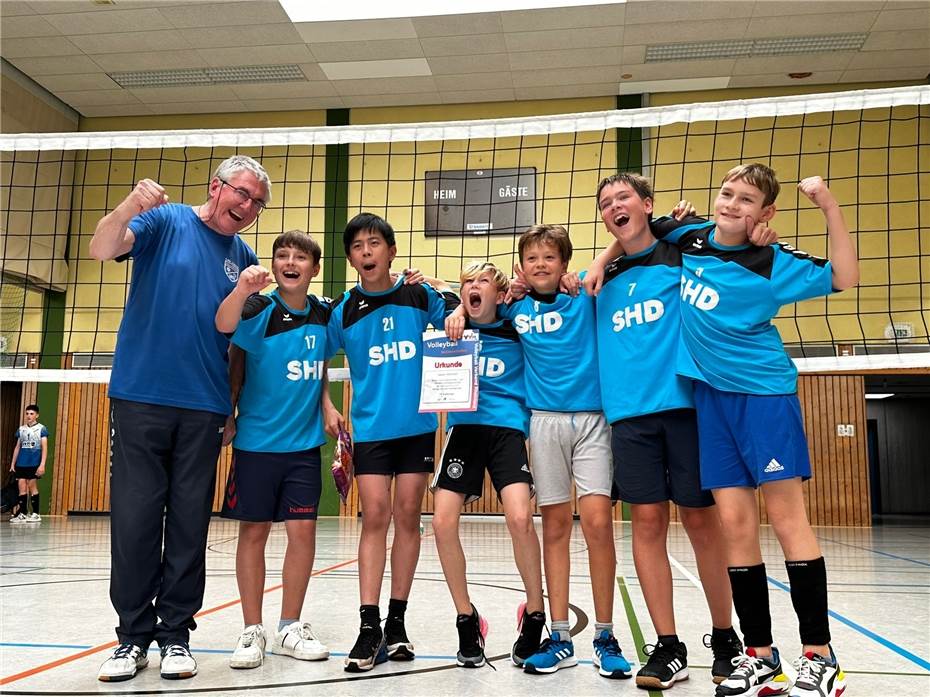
[[342, 464]]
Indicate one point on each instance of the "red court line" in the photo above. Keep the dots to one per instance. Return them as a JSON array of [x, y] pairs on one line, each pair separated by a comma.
[[110, 644]]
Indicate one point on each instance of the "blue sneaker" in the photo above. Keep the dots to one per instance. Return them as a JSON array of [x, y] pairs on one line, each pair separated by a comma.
[[552, 655], [608, 658]]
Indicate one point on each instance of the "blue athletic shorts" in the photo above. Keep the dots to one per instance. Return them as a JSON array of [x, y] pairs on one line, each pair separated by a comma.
[[656, 459], [264, 487], [748, 440]]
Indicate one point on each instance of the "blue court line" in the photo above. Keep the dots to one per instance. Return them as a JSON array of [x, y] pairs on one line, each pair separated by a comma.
[[875, 551], [14, 644], [901, 651]]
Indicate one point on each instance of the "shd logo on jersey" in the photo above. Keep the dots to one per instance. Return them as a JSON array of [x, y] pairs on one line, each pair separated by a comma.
[[491, 367], [638, 313], [455, 468], [544, 323], [393, 351], [697, 294], [232, 271], [304, 370]]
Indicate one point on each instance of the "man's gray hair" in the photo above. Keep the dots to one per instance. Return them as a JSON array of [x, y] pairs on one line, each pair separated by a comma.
[[244, 163]]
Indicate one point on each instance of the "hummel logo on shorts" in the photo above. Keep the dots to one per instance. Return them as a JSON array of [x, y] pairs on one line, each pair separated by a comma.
[[774, 466]]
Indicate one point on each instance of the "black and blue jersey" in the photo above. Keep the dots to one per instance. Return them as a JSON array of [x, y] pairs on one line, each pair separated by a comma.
[[558, 332], [382, 334], [30, 445], [729, 295], [638, 322], [279, 406], [501, 388]]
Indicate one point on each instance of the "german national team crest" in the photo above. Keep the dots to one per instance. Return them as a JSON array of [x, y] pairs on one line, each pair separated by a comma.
[[455, 468], [232, 271]]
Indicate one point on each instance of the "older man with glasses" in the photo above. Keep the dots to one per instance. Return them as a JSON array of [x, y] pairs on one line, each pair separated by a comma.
[[170, 399]]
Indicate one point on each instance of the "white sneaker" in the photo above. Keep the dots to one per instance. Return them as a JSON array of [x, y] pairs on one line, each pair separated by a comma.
[[33, 518], [297, 640], [125, 662], [177, 662], [18, 518], [250, 650]]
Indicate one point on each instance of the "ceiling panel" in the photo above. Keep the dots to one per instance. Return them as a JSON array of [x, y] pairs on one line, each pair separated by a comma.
[[818, 78], [478, 63], [257, 55], [566, 91], [475, 81], [878, 74], [506, 94], [572, 58], [166, 40], [463, 45], [379, 100], [56, 65], [227, 14], [897, 40], [98, 97], [294, 104], [648, 13], [39, 46], [389, 85], [783, 8], [889, 59], [108, 22], [204, 93], [849, 22], [361, 30], [197, 107], [15, 8], [563, 17], [257, 35], [458, 25], [25, 26], [388, 49], [149, 60], [75, 83], [360, 70], [117, 110], [567, 76], [801, 62], [684, 69], [568, 39], [696, 31], [891, 18], [285, 90]]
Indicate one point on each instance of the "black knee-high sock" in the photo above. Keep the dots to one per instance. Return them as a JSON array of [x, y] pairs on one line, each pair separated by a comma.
[[751, 600], [35, 503], [809, 596], [21, 504]]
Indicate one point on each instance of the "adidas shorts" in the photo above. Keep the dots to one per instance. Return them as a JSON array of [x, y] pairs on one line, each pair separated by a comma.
[[748, 440], [470, 449]]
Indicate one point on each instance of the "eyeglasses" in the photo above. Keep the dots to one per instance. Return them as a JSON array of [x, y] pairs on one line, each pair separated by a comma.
[[244, 195]]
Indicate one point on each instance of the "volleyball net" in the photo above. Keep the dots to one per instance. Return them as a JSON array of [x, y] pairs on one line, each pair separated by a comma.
[[459, 191]]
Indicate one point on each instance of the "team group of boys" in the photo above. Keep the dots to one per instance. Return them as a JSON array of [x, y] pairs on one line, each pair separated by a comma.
[[662, 380]]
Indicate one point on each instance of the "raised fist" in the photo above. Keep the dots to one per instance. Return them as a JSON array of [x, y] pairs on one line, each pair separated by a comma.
[[254, 279], [146, 195], [815, 188]]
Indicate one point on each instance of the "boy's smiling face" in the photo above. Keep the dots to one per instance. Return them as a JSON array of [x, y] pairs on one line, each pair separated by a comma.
[[623, 211], [543, 266], [371, 256], [481, 297], [737, 202], [293, 269]]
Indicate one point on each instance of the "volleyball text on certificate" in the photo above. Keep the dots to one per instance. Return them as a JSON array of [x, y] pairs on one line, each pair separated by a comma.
[[450, 372]]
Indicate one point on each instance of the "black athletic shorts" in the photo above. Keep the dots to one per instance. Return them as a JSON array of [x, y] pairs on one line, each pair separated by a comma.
[[407, 455], [656, 459], [264, 487], [470, 449], [26, 473]]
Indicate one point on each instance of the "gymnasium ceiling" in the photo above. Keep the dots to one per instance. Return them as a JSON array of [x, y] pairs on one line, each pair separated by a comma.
[[78, 49]]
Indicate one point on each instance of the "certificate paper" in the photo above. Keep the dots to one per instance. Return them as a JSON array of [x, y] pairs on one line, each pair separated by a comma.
[[450, 372]]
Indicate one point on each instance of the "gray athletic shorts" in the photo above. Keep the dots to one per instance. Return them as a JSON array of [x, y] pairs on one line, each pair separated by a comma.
[[566, 446]]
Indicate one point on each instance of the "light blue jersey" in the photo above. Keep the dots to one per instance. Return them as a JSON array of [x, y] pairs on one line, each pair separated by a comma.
[[729, 296], [638, 323], [382, 334], [500, 381], [279, 407], [558, 332]]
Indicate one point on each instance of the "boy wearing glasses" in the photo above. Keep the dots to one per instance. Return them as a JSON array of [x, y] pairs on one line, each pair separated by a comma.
[[170, 399]]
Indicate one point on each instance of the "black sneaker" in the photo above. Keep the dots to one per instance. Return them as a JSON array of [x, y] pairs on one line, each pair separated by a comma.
[[472, 630], [368, 651], [667, 665], [725, 649], [530, 626], [398, 645]]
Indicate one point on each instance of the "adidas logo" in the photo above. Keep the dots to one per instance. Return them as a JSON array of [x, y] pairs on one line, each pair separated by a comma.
[[524, 469], [675, 665], [774, 466]]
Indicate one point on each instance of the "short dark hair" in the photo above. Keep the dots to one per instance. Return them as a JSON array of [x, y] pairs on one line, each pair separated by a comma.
[[367, 221], [637, 182], [554, 235], [32, 407], [298, 239]]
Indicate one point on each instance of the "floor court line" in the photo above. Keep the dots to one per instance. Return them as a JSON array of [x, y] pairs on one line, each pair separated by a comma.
[[875, 551], [103, 647]]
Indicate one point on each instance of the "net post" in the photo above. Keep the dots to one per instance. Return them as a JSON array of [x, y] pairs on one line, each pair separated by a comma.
[[53, 328]]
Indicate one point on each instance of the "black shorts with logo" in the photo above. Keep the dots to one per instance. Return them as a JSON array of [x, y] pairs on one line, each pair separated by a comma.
[[26, 472], [470, 449], [407, 455]]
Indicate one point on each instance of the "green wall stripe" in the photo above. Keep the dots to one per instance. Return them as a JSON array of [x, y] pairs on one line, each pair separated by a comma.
[[53, 328], [630, 140]]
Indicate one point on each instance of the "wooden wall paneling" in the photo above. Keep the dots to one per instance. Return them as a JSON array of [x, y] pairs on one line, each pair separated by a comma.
[[61, 462], [102, 451], [70, 449]]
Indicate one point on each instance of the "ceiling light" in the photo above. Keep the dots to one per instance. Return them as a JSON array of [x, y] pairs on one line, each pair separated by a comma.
[[226, 75], [303, 11], [879, 395], [744, 48]]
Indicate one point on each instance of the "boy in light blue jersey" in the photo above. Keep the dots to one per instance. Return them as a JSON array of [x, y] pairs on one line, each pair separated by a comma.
[[569, 443], [28, 465], [380, 323], [492, 439], [275, 473], [751, 430]]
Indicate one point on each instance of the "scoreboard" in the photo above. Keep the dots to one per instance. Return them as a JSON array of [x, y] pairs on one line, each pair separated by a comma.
[[480, 201]]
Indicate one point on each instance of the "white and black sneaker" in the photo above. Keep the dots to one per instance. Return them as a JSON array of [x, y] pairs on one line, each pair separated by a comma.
[[818, 676], [126, 661], [250, 649], [667, 664], [18, 518], [369, 650], [177, 662], [755, 675], [472, 629]]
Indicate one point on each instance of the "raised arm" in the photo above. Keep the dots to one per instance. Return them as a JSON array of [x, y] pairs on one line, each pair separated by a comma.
[[251, 280], [842, 252], [113, 238]]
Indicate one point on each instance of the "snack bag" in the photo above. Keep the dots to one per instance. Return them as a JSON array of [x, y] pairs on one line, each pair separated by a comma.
[[342, 464]]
